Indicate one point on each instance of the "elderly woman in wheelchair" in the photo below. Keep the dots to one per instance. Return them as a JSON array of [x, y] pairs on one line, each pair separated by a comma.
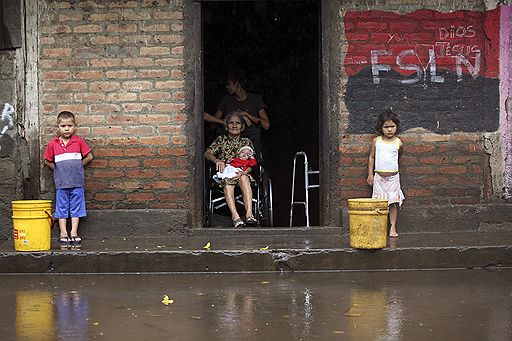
[[222, 150]]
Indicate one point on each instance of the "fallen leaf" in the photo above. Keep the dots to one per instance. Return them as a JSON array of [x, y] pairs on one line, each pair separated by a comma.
[[195, 317], [95, 323], [264, 248], [160, 246], [167, 301], [207, 246], [265, 282]]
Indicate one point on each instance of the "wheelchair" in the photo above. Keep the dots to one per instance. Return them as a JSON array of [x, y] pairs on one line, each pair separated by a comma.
[[215, 201]]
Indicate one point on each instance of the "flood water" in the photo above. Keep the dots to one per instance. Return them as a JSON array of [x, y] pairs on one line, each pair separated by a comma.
[[412, 305]]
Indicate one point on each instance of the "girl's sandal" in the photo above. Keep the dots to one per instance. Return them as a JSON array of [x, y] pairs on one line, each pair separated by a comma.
[[64, 241], [76, 240], [238, 222]]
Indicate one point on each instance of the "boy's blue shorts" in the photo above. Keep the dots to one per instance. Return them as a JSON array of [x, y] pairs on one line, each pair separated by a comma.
[[70, 203]]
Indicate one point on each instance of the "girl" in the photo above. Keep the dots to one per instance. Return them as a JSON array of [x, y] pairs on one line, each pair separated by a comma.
[[383, 160]]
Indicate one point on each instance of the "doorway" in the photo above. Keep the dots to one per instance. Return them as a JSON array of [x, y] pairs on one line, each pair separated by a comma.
[[277, 44]]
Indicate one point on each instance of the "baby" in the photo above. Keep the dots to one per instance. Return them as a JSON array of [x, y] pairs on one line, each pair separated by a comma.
[[239, 164]]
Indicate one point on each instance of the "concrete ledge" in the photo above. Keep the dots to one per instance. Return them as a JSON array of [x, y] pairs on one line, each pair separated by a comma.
[[262, 231], [132, 223], [240, 253], [493, 217], [243, 261]]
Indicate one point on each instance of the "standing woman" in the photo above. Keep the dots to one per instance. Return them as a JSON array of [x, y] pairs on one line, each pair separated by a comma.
[[221, 151], [250, 106]]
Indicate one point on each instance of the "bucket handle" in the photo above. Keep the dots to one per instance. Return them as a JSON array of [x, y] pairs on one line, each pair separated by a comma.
[[382, 212], [52, 221]]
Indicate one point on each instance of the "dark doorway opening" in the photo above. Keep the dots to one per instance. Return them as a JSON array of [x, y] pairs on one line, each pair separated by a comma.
[[276, 43]]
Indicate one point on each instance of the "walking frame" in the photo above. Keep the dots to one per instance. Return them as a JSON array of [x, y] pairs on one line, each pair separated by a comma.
[[307, 186]]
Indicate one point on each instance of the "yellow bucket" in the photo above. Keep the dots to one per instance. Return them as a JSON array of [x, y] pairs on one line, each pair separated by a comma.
[[368, 220], [32, 221]]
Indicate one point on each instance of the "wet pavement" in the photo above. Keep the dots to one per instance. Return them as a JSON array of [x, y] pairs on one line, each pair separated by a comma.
[[399, 305], [241, 251]]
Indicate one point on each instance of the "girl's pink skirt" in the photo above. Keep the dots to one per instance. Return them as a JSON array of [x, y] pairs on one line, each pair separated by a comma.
[[388, 188]]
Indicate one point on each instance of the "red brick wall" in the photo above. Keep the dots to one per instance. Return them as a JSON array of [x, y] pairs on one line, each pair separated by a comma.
[[443, 120], [434, 169], [119, 66]]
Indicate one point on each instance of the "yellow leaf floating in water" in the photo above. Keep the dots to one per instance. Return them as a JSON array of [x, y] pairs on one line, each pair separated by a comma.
[[264, 248], [95, 323], [207, 246], [265, 282], [167, 301]]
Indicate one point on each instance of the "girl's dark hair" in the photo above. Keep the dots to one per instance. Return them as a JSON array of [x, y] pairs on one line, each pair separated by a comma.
[[386, 116]]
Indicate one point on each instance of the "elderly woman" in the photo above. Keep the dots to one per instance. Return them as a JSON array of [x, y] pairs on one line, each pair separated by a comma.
[[222, 150]]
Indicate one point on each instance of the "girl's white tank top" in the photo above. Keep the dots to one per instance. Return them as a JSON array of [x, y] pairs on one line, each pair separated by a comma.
[[386, 155]]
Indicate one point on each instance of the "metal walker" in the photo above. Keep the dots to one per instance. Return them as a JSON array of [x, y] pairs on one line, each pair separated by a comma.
[[307, 186]]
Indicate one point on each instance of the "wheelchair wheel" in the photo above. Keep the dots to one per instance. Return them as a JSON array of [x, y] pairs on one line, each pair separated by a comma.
[[267, 217]]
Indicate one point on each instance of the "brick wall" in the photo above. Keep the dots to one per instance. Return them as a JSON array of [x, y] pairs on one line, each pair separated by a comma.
[[119, 66], [444, 118], [435, 169]]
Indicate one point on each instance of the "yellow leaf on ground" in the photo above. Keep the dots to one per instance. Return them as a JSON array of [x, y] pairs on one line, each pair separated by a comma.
[[167, 301]]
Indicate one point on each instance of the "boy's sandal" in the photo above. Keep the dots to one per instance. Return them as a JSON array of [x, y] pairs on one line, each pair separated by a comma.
[[64, 241], [76, 240], [238, 222]]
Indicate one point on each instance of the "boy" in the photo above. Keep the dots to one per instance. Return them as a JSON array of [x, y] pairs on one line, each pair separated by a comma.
[[66, 155]]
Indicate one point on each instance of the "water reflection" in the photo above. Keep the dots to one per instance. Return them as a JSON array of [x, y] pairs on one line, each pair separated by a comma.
[[42, 315], [420, 306], [34, 315], [237, 310], [374, 315], [308, 312], [72, 315]]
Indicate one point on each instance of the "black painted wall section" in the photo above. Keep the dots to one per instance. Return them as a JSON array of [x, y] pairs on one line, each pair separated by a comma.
[[471, 105]]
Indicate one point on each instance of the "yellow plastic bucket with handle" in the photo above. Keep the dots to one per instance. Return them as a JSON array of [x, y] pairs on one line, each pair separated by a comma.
[[368, 220], [32, 221]]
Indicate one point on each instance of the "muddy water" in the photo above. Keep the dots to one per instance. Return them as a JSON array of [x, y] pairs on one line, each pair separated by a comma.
[[422, 305]]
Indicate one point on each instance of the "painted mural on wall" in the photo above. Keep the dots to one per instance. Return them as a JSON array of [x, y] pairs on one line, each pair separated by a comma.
[[439, 71]]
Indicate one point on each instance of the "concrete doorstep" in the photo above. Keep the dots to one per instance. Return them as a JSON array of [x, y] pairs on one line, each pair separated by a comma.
[[293, 249]]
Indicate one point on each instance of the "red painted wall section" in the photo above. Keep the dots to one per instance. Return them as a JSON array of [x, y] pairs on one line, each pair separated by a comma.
[[412, 36]]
